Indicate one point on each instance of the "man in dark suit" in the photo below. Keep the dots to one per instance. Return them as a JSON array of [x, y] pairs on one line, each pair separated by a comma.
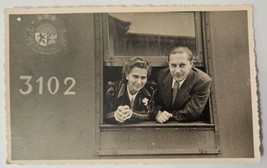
[[183, 90]]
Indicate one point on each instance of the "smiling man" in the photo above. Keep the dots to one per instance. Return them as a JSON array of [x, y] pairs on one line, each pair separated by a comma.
[[183, 90]]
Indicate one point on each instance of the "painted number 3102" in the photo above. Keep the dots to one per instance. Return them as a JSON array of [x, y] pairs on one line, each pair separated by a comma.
[[52, 85]]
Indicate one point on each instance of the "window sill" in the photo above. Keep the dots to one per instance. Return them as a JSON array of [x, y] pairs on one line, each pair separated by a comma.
[[196, 125]]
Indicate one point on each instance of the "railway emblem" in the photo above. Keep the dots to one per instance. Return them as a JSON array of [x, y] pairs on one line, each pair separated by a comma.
[[46, 35]]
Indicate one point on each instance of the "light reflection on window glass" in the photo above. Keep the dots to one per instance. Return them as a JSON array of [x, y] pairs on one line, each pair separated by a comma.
[[150, 34]]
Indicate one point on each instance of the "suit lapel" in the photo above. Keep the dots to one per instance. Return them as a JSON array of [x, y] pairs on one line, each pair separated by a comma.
[[183, 92], [167, 90]]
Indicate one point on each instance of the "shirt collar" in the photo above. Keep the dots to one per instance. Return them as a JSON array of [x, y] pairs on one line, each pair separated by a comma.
[[180, 83], [130, 95]]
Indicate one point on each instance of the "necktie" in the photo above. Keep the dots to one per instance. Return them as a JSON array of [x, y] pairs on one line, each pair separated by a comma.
[[174, 90]]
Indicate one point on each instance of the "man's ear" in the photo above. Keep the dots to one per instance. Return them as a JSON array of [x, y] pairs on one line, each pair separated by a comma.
[[192, 62], [168, 62]]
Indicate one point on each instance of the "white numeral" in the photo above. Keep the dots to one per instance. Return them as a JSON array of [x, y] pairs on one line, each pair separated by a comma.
[[52, 85], [73, 82], [56, 85], [41, 84], [27, 83]]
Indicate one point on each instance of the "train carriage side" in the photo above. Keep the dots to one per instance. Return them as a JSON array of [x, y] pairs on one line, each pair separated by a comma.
[[92, 50]]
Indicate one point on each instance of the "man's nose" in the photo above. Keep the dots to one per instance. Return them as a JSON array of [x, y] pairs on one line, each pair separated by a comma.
[[177, 69]]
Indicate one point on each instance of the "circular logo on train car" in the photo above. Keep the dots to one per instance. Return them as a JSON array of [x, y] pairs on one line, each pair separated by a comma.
[[46, 35]]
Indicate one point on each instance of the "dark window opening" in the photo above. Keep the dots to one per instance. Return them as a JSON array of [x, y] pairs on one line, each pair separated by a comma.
[[131, 34]]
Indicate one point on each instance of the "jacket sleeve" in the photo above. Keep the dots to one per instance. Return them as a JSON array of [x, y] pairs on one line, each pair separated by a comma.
[[159, 103], [110, 118], [196, 103], [109, 102]]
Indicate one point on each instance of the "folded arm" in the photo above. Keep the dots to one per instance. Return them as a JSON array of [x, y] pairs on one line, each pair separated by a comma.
[[194, 107]]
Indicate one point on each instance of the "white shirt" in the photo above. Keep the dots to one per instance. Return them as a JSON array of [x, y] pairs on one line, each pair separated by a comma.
[[180, 83], [131, 97]]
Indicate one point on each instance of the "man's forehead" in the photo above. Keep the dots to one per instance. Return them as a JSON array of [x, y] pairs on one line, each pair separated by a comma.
[[179, 55], [179, 60]]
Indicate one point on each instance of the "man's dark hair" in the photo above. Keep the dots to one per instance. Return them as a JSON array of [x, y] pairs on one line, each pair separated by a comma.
[[180, 50]]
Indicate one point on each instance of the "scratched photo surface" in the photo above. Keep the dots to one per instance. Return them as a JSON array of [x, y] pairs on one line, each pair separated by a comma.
[[69, 92]]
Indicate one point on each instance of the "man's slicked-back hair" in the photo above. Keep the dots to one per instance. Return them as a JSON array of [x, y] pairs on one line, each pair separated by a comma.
[[180, 50]]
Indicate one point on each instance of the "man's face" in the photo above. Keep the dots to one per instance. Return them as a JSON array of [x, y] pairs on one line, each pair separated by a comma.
[[180, 66], [137, 79]]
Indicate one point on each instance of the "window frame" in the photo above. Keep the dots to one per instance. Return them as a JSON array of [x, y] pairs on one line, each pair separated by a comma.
[[101, 48], [155, 61]]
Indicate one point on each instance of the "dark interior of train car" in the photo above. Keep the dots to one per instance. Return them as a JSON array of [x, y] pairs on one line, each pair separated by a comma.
[[129, 37]]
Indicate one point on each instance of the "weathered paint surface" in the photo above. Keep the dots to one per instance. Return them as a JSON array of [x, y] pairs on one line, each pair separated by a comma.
[[230, 54], [64, 127]]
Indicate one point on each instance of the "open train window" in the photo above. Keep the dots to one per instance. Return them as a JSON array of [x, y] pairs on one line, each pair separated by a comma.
[[120, 36], [152, 35]]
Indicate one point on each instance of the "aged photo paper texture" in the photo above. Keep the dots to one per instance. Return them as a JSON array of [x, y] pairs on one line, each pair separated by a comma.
[[131, 84]]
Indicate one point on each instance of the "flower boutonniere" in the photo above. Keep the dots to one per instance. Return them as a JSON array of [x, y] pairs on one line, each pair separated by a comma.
[[145, 101]]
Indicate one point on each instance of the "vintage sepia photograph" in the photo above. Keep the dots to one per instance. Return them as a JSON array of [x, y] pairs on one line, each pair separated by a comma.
[[140, 84]]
